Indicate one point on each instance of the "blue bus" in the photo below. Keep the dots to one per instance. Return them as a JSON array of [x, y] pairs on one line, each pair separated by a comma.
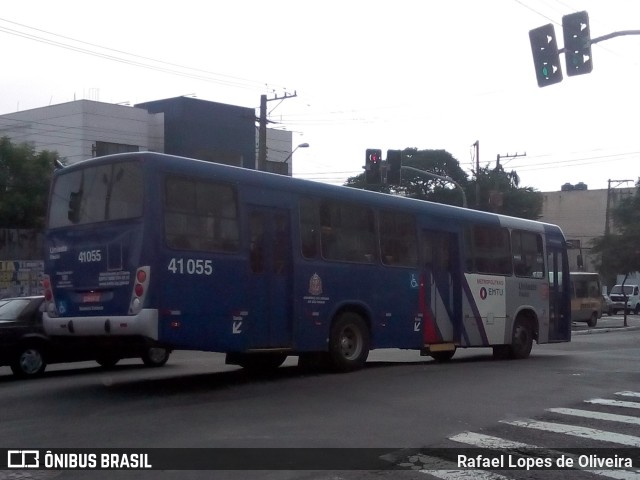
[[147, 249]]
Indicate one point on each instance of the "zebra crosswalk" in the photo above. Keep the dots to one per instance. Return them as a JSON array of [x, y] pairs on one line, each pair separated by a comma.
[[605, 426]]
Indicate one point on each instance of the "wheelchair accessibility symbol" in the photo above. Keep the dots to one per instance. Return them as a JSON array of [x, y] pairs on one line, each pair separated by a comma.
[[414, 281]]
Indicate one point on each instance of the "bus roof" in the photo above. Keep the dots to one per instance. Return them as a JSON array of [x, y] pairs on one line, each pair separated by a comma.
[[259, 179]]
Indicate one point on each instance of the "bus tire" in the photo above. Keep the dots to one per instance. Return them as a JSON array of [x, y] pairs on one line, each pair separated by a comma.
[[29, 361], [155, 356], [521, 339], [593, 320], [348, 342]]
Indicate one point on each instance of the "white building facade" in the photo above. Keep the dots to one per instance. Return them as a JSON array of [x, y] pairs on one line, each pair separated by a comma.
[[85, 128]]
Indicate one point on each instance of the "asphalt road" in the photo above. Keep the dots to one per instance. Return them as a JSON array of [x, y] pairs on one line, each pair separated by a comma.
[[405, 405]]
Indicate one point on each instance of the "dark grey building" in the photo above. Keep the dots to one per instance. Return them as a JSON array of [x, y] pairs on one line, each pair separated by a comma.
[[207, 130]]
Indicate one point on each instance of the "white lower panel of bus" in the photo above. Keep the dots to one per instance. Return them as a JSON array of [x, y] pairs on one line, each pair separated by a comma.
[[144, 323]]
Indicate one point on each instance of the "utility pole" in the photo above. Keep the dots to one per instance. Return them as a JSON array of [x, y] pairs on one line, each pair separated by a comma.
[[516, 155], [262, 129], [477, 145], [607, 228]]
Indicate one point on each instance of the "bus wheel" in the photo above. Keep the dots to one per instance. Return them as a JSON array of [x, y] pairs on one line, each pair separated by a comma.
[[443, 356], [521, 340], [593, 321], [29, 362], [348, 343], [155, 356]]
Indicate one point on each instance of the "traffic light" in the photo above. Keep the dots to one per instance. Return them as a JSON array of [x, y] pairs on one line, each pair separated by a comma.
[[394, 167], [577, 43], [546, 58], [373, 173]]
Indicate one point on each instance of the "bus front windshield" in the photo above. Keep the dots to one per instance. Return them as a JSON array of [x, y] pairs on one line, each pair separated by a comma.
[[112, 191]]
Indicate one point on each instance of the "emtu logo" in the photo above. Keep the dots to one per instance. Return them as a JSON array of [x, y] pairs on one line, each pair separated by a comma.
[[23, 459]]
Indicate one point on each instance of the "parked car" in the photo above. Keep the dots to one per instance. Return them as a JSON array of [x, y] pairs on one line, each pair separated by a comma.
[[26, 348], [607, 305], [617, 295]]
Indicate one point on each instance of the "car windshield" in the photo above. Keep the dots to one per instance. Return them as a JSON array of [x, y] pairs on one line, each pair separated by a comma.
[[628, 289], [13, 308]]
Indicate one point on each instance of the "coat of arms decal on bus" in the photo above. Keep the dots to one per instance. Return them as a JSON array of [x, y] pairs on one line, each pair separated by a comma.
[[315, 285]]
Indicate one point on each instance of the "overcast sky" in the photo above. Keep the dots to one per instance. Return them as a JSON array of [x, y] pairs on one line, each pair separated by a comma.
[[368, 74]]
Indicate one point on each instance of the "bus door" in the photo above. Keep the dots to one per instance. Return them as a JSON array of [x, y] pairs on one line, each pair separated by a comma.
[[559, 294], [440, 295], [270, 281]]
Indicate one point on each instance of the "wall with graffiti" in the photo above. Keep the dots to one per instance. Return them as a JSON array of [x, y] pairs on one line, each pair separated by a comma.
[[21, 262]]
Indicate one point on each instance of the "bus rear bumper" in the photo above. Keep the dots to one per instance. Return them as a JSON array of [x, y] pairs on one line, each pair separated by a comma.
[[143, 324]]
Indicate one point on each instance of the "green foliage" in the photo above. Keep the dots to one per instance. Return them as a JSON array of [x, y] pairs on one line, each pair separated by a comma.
[[414, 185], [619, 252], [24, 185], [499, 190]]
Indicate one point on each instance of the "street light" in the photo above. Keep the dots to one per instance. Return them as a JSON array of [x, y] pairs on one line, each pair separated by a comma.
[[302, 145]]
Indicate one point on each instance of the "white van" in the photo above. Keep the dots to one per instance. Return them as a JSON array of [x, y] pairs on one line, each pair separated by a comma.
[[617, 298]]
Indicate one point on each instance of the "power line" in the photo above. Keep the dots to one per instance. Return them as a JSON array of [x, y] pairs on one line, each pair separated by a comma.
[[163, 66]]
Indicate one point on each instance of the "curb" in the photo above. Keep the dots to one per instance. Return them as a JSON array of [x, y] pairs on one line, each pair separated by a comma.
[[604, 330]]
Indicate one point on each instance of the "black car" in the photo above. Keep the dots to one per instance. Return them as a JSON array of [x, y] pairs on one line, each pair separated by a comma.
[[26, 348]]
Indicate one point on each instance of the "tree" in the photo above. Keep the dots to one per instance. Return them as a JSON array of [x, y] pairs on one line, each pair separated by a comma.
[[413, 185], [619, 252], [500, 192], [24, 184]]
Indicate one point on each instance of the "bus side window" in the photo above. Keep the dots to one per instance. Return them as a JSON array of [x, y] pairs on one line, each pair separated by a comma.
[[348, 232], [527, 254], [256, 243], [308, 228], [398, 239]]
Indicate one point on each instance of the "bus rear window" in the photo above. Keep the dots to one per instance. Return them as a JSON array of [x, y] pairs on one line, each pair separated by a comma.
[[94, 194]]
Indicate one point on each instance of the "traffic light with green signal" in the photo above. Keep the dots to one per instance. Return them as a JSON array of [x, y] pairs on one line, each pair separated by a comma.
[[577, 43], [546, 58]]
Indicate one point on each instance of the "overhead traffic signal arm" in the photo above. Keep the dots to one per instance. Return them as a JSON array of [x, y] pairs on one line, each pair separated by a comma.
[[577, 48]]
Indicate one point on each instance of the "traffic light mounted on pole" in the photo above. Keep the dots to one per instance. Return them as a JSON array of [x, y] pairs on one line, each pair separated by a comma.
[[546, 57], [372, 166], [394, 167], [577, 43]]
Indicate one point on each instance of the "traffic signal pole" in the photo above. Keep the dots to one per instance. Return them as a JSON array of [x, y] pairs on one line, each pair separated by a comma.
[[439, 177], [607, 37], [577, 48]]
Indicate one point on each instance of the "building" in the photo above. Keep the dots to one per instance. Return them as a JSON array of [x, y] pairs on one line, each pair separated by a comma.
[[182, 126], [582, 214], [85, 128], [205, 130]]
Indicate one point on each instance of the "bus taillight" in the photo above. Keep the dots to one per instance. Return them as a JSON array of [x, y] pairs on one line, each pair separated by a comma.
[[48, 296], [139, 290]]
